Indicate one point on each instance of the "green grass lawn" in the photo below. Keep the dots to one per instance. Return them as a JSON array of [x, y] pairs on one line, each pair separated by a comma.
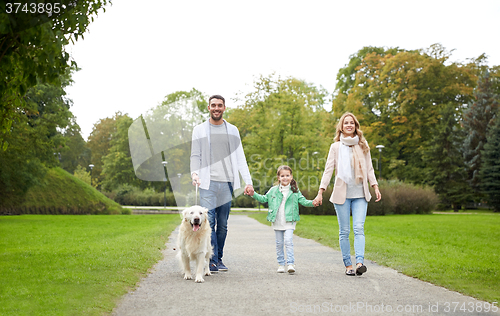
[[459, 252], [76, 265]]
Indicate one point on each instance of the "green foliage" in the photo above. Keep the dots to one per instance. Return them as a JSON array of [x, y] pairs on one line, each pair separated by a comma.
[[403, 198], [36, 55], [117, 164], [397, 99], [82, 174], [244, 201], [409, 244], [182, 96], [129, 195], [99, 143], [76, 265], [478, 117], [446, 170], [281, 123], [75, 151], [397, 198], [61, 193], [34, 140], [324, 209], [346, 76], [490, 169]]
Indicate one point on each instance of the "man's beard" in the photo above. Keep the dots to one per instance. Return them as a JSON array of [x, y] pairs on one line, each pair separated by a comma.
[[216, 118]]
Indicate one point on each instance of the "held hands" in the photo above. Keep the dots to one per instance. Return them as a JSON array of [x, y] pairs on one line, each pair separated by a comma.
[[318, 200], [249, 190]]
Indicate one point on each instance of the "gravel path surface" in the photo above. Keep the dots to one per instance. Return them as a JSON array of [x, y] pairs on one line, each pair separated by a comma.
[[252, 286]]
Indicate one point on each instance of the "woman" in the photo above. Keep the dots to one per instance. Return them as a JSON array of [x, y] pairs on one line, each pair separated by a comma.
[[350, 157]]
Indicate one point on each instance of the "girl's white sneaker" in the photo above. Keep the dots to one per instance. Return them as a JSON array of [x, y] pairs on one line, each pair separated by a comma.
[[281, 269], [291, 268]]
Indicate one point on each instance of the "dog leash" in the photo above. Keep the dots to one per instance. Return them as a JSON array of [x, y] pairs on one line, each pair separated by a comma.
[[196, 200]]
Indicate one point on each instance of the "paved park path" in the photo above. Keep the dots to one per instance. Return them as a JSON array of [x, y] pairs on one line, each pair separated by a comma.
[[252, 286]]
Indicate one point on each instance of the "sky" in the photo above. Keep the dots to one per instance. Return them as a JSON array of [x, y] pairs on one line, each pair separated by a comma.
[[137, 52]]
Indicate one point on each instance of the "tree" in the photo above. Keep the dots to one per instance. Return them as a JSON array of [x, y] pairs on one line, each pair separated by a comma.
[[478, 118], [281, 123], [446, 170], [346, 77], [117, 164], [490, 168], [35, 140], [99, 143], [75, 151], [398, 97], [32, 50]]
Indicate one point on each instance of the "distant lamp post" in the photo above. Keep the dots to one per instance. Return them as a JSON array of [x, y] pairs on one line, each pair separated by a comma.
[[91, 166], [314, 154], [164, 163], [380, 147]]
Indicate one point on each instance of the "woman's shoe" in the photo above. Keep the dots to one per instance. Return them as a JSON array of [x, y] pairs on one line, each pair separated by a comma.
[[361, 269], [350, 272]]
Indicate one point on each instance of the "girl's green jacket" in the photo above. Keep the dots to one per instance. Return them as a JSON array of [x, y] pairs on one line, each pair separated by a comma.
[[274, 197]]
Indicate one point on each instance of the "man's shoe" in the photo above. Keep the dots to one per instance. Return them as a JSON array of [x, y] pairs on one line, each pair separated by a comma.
[[213, 268], [221, 266], [291, 268], [281, 269]]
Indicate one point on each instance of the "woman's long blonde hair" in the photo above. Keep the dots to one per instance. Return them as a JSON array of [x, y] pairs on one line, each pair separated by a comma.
[[362, 141]]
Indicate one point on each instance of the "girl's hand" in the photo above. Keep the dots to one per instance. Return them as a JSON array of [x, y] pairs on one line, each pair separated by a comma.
[[377, 193]]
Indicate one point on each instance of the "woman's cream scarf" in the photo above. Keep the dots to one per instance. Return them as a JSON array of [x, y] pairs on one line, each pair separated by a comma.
[[345, 165]]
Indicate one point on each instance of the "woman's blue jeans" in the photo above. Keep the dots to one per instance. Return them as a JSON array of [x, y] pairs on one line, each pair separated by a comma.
[[359, 207], [217, 199], [284, 237]]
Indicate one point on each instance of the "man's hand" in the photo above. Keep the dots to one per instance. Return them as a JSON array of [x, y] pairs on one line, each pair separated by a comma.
[[196, 179], [249, 190]]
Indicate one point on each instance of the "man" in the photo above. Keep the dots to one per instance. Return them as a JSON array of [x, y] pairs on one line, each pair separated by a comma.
[[217, 158]]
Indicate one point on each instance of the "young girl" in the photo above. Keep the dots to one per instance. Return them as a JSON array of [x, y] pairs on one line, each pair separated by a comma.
[[283, 200]]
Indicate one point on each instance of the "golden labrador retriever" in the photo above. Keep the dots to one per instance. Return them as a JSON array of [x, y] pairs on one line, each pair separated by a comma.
[[194, 242]]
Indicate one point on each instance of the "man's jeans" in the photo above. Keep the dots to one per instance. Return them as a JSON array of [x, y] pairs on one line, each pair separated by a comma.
[[284, 237], [359, 207], [217, 199]]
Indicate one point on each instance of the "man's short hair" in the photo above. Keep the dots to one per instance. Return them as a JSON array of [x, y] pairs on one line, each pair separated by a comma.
[[216, 96]]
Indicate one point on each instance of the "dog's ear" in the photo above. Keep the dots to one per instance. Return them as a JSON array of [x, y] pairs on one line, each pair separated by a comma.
[[184, 214]]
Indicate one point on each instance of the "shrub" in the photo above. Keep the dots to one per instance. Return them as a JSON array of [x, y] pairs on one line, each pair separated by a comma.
[[244, 201], [403, 198], [130, 195], [397, 198], [325, 209]]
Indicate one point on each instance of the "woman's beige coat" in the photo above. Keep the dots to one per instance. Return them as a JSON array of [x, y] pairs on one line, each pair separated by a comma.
[[340, 187]]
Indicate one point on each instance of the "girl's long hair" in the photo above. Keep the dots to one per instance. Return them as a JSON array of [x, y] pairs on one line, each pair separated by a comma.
[[293, 183], [362, 141]]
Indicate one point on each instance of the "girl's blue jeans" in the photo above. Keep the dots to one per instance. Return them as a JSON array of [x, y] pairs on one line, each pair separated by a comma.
[[359, 207], [284, 237]]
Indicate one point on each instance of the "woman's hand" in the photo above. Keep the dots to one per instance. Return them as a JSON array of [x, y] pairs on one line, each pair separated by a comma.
[[377, 193]]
